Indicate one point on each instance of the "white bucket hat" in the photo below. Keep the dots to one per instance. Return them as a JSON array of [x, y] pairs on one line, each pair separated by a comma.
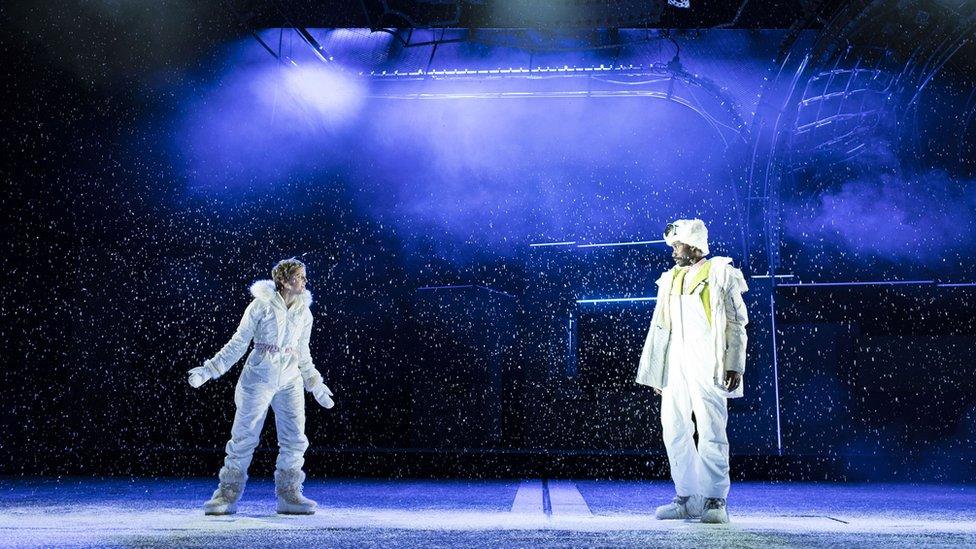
[[688, 231]]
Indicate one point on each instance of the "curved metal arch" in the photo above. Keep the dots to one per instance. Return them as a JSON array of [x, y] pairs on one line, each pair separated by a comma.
[[844, 36]]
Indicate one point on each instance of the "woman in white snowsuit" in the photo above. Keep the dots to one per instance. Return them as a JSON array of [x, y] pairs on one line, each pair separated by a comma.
[[279, 322], [694, 357]]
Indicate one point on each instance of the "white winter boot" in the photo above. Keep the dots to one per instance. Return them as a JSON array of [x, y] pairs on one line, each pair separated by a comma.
[[715, 511], [288, 487], [228, 492], [682, 507]]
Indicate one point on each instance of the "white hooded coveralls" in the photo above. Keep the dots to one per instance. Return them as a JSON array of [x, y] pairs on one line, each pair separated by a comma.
[[686, 358], [273, 376]]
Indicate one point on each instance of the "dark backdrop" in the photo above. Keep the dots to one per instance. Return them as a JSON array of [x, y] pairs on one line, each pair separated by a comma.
[[124, 269]]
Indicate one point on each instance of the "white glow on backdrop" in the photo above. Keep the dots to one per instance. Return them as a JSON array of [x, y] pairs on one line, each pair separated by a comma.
[[312, 93]]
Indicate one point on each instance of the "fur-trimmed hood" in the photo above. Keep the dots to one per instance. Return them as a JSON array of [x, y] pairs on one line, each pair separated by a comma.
[[264, 290]]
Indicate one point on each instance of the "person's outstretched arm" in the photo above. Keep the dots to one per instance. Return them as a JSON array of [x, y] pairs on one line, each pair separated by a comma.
[[231, 352]]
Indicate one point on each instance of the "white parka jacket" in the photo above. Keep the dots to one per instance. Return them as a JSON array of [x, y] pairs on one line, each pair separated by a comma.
[[265, 321], [728, 329]]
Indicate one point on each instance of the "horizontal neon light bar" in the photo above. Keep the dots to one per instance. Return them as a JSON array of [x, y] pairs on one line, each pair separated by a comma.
[[616, 300], [520, 70], [533, 95], [453, 287], [775, 276], [957, 285], [635, 243], [876, 283], [540, 244]]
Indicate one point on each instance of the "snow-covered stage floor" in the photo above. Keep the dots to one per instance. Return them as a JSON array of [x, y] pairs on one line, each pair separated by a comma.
[[356, 513]]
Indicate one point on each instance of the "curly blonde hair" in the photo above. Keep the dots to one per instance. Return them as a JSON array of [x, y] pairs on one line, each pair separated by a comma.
[[284, 270]]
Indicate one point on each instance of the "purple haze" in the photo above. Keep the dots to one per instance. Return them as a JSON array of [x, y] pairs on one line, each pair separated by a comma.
[[490, 173], [915, 219]]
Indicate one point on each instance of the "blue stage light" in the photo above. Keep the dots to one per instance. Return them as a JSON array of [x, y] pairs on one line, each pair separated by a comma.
[[463, 286], [634, 243], [565, 69], [616, 300], [542, 244], [871, 283]]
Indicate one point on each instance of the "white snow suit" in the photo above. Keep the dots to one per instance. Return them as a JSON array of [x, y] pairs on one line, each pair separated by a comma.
[[273, 376], [687, 351]]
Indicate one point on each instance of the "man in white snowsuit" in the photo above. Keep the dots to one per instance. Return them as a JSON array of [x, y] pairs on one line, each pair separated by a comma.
[[279, 322], [694, 357]]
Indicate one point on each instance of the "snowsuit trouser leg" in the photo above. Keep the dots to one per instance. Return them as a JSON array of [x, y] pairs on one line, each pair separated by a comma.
[[703, 470], [289, 412], [678, 430], [252, 401]]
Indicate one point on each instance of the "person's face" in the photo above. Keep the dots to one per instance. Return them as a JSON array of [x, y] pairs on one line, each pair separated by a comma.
[[683, 254], [296, 284]]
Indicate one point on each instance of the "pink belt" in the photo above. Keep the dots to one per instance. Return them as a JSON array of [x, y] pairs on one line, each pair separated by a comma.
[[272, 348]]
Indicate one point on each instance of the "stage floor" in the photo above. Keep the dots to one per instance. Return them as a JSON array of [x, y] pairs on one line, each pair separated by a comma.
[[527, 513]]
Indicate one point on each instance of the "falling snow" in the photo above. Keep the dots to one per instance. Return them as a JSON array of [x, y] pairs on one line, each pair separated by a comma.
[[483, 249]]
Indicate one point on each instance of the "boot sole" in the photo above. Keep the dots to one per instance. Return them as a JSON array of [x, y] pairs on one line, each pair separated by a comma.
[[712, 521]]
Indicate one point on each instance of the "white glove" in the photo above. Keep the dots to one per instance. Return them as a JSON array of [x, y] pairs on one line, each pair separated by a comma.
[[322, 395], [198, 376]]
